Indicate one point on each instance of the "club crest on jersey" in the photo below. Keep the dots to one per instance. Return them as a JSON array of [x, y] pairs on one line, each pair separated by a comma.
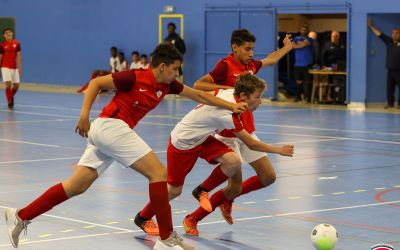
[[382, 247], [159, 93], [248, 72]]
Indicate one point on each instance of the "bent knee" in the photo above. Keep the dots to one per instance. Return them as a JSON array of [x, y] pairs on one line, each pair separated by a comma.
[[268, 179], [174, 192]]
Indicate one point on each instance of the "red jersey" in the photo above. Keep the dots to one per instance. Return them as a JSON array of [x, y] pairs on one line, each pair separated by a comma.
[[9, 52], [226, 72], [137, 94]]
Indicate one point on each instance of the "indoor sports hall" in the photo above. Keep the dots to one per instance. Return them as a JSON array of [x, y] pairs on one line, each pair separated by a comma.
[[342, 116]]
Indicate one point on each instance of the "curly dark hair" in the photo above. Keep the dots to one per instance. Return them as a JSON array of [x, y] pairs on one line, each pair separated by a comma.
[[241, 36], [165, 53]]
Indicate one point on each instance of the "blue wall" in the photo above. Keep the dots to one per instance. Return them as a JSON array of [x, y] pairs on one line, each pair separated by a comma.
[[64, 40]]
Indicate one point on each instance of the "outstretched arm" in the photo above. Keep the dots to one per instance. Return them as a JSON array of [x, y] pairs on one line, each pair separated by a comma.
[[253, 144], [206, 84], [373, 28], [274, 57], [209, 99]]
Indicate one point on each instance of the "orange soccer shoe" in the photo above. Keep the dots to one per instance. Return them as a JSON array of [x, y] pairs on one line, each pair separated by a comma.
[[190, 226], [226, 211], [202, 197], [148, 226]]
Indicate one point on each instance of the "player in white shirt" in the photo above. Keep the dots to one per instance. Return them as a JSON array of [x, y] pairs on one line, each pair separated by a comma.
[[193, 138], [135, 60]]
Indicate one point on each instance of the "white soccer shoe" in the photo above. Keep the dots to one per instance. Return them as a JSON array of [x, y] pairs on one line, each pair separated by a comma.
[[174, 242], [14, 225]]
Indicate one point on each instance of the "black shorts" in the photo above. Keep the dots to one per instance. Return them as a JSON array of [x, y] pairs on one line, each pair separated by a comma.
[[301, 73]]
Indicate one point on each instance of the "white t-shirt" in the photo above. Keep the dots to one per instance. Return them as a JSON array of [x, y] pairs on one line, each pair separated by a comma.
[[122, 66], [114, 62], [134, 65], [204, 121]]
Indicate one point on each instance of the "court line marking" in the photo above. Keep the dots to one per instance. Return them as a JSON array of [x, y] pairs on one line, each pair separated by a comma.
[[57, 159], [257, 124], [124, 231], [39, 144], [37, 121], [291, 134], [332, 137], [38, 160]]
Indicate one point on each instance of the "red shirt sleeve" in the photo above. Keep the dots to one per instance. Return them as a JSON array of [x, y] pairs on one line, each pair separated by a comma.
[[124, 80], [237, 121], [175, 87], [219, 72], [1, 49], [258, 64], [18, 47]]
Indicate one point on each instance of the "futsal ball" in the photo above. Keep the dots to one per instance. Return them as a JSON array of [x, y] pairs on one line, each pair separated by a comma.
[[324, 237]]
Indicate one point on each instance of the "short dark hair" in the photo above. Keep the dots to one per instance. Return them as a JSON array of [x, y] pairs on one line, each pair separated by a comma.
[[143, 55], [165, 53], [7, 29], [114, 48], [241, 36], [135, 53], [172, 24], [248, 83]]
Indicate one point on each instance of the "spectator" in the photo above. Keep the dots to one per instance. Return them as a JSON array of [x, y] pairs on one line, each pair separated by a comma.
[[144, 64], [392, 62], [303, 63], [333, 53], [316, 49], [122, 64], [135, 60], [334, 57], [176, 40]]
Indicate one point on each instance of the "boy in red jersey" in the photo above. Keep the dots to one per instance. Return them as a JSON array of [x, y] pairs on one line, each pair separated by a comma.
[[111, 137], [193, 138], [224, 76], [10, 64]]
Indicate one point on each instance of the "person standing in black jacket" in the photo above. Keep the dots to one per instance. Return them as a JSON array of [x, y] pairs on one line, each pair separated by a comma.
[[392, 62], [176, 40]]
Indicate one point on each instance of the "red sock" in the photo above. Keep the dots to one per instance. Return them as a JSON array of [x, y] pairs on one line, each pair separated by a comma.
[[8, 94], [49, 199], [147, 212], [216, 178], [14, 91], [216, 199], [159, 198], [251, 184]]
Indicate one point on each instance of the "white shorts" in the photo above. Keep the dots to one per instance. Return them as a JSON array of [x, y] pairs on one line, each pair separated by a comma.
[[10, 75], [112, 139], [246, 154]]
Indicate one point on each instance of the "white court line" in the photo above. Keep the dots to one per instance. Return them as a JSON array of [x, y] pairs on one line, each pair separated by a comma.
[[37, 160], [124, 231], [41, 114], [58, 159], [39, 144], [327, 129], [257, 124], [332, 137], [84, 222], [38, 121]]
